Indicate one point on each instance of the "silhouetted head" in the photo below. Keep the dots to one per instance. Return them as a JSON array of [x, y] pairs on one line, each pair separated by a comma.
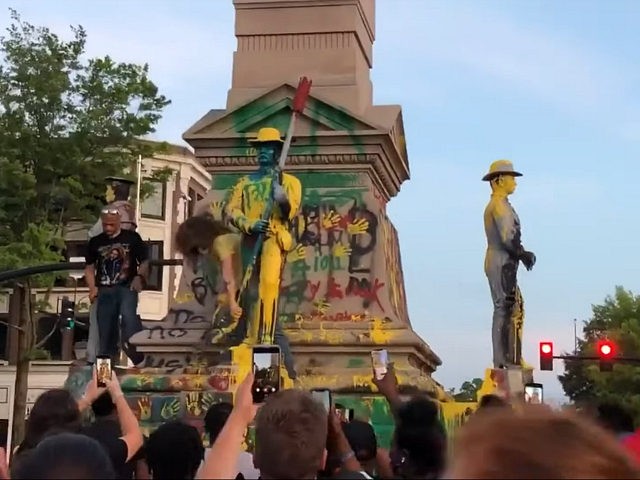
[[215, 418], [64, 456], [103, 406], [54, 409], [174, 451], [291, 436], [419, 447], [536, 442]]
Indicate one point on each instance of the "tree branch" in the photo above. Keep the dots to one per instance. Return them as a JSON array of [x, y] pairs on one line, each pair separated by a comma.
[[48, 335], [2, 322]]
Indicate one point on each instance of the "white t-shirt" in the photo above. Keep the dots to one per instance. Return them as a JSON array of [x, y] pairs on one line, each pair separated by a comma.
[[244, 465]]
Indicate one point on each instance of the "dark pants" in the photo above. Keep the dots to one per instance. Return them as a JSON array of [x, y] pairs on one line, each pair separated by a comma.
[[114, 305]]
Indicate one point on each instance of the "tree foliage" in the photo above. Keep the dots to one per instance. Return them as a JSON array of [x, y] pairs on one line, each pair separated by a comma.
[[617, 319], [66, 123], [468, 391]]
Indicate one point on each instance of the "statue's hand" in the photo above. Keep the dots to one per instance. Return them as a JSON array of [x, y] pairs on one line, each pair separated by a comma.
[[259, 226], [528, 259]]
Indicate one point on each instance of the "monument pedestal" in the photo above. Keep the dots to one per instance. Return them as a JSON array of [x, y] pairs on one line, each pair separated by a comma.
[[506, 382]]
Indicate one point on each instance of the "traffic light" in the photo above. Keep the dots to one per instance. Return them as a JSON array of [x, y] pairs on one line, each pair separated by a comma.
[[606, 352], [67, 313], [546, 355]]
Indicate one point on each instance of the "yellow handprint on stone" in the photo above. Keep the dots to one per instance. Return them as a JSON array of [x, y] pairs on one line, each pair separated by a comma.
[[331, 220], [216, 209], [193, 404], [298, 253], [170, 409], [358, 227], [322, 306], [340, 251], [144, 404]]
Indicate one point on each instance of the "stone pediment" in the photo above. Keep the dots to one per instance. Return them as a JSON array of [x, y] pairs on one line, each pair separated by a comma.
[[273, 108]]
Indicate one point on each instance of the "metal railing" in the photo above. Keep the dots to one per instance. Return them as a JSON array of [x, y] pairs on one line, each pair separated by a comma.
[[62, 266]]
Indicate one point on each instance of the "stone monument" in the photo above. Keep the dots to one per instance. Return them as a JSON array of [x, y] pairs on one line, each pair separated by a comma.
[[342, 290]]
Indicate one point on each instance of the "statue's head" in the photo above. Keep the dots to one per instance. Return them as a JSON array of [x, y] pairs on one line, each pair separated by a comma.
[[268, 144], [502, 177], [117, 189]]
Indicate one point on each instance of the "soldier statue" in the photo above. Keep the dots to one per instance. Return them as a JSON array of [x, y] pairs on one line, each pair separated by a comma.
[[504, 253]]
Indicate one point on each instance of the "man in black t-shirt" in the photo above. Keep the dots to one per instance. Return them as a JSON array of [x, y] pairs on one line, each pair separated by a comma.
[[117, 266]]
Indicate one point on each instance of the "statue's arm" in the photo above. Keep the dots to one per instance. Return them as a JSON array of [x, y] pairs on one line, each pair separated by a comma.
[[234, 207], [291, 197]]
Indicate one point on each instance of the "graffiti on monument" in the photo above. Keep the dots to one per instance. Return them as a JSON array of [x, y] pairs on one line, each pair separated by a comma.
[[345, 266]]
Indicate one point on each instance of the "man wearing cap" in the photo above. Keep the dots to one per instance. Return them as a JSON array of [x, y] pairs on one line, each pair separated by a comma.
[[247, 208], [504, 253], [117, 197]]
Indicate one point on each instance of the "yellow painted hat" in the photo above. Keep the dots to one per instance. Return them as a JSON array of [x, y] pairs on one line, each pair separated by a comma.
[[267, 134], [500, 167]]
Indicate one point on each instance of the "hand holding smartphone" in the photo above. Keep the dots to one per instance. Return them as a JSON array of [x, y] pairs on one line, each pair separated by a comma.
[[266, 370], [379, 361], [103, 370], [323, 395]]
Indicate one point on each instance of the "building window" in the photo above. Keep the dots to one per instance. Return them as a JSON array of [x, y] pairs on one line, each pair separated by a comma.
[[154, 205], [192, 203], [156, 252]]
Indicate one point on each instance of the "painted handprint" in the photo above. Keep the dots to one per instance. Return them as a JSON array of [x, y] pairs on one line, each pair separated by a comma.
[[298, 253], [358, 227], [216, 209], [331, 220], [193, 404], [144, 404], [207, 399], [321, 306], [340, 251], [170, 409]]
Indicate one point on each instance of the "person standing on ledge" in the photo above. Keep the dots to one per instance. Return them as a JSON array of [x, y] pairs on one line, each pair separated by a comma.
[[117, 196], [117, 266], [252, 195], [504, 253]]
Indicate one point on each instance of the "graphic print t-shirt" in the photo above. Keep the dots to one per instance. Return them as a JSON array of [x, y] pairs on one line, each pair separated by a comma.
[[116, 259]]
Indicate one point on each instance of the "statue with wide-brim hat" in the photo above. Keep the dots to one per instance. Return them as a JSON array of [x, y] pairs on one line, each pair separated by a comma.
[[503, 256], [500, 167], [262, 206]]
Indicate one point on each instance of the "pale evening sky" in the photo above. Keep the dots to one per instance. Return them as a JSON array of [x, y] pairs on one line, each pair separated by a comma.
[[547, 84]]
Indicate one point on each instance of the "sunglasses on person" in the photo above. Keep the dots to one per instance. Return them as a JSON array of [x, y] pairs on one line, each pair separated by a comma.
[[110, 211]]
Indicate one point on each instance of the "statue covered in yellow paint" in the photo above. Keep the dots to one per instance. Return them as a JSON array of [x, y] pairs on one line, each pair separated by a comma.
[[504, 253], [262, 206]]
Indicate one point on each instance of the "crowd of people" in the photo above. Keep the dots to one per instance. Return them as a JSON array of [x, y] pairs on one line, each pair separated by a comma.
[[296, 438]]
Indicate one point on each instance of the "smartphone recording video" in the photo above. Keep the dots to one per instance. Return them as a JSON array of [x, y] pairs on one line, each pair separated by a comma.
[[533, 393], [322, 395], [266, 370], [103, 370], [379, 360]]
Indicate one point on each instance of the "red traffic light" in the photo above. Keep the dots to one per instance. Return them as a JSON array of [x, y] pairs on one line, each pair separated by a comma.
[[546, 349], [606, 349], [546, 356]]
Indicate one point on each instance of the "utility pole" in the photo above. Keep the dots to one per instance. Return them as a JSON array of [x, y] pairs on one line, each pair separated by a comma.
[[575, 336]]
